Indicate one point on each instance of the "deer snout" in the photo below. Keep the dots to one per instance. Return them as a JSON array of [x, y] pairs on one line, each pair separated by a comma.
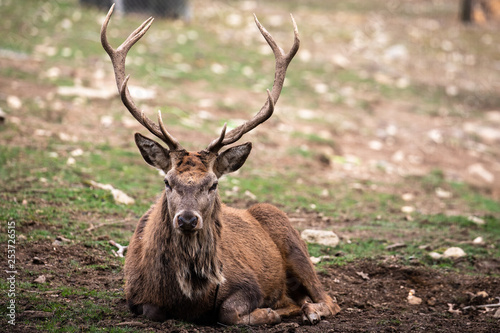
[[187, 221]]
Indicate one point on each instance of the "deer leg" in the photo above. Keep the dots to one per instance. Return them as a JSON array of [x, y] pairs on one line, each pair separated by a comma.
[[237, 309]]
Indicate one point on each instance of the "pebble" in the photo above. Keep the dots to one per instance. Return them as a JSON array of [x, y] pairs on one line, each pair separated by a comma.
[[454, 253], [41, 279], [323, 237], [476, 220]]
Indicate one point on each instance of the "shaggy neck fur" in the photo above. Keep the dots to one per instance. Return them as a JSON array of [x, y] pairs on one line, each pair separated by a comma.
[[196, 256]]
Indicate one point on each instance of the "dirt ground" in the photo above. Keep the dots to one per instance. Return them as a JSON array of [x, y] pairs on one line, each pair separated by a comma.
[[388, 142], [373, 296]]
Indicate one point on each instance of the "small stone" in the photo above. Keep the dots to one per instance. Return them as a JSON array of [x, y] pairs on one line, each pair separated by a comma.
[[414, 300], [435, 255], [407, 209], [480, 171], [14, 102], [323, 237], [442, 193], [375, 145], [41, 279], [476, 220], [38, 261], [106, 121], [408, 197], [478, 240], [315, 260], [454, 253], [76, 152], [250, 195]]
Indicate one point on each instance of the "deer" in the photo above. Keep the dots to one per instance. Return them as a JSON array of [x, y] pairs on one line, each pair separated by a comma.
[[193, 258]]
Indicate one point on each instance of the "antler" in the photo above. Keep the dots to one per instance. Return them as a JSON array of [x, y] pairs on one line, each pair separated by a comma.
[[282, 61], [118, 57]]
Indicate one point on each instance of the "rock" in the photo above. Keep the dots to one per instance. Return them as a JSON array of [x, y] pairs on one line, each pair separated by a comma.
[[414, 300], [442, 193], [375, 145], [250, 195], [322, 237], [435, 255], [14, 102], [436, 136], [76, 152], [478, 240], [106, 121], [479, 171], [407, 209], [408, 197], [118, 195], [476, 220], [41, 279], [315, 260], [70, 161], [454, 253]]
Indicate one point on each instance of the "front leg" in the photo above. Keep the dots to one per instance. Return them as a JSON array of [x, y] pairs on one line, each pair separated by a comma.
[[241, 309]]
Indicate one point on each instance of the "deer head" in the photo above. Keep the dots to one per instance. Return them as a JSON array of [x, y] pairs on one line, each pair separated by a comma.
[[191, 177]]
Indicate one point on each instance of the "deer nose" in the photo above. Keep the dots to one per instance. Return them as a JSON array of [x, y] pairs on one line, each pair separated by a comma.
[[187, 221]]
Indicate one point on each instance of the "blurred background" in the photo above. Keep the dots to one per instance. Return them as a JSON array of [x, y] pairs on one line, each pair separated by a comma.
[[387, 130]]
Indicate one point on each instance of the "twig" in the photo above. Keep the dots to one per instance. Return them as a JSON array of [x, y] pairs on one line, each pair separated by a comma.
[[121, 248], [450, 309], [484, 306]]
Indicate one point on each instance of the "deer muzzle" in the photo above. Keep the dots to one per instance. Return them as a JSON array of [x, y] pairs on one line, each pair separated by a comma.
[[188, 221]]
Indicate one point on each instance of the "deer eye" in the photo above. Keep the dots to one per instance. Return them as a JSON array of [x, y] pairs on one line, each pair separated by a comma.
[[213, 187], [167, 185]]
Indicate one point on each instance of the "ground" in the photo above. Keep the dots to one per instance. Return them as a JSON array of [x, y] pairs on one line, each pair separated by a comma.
[[387, 133]]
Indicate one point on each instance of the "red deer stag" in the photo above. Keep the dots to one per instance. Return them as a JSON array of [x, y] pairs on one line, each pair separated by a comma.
[[193, 258]]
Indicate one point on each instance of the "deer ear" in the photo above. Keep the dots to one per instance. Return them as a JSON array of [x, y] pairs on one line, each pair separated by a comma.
[[153, 153], [231, 159]]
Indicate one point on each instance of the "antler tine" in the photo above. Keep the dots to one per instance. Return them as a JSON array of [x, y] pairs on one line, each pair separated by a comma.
[[173, 144], [118, 57], [282, 61], [216, 144]]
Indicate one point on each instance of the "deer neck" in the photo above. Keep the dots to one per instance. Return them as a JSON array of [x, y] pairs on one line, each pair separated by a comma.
[[194, 257]]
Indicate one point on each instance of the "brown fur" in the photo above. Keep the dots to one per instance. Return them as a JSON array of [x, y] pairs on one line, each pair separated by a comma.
[[255, 256]]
